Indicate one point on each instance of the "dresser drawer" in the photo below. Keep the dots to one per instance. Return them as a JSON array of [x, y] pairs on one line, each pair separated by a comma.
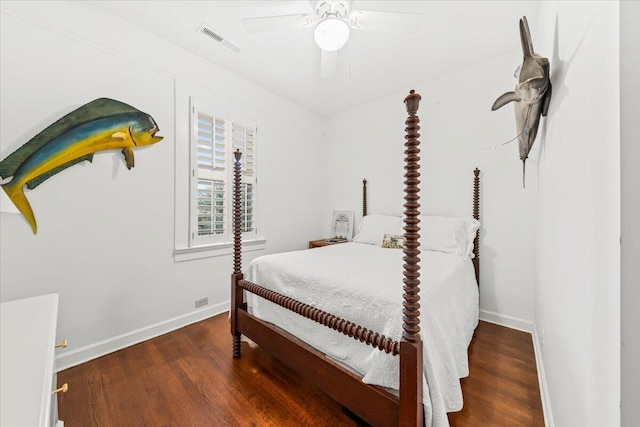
[[27, 365]]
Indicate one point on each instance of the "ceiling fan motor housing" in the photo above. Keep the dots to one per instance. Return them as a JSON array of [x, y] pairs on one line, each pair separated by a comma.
[[337, 8]]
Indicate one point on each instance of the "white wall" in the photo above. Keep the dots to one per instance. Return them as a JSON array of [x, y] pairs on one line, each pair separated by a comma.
[[457, 129], [630, 155], [105, 241], [577, 298], [549, 252]]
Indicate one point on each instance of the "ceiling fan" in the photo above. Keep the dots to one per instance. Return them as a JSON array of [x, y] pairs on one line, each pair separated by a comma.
[[333, 21]]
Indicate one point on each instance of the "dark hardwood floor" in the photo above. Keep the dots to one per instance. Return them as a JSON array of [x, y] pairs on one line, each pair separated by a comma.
[[502, 386], [188, 378]]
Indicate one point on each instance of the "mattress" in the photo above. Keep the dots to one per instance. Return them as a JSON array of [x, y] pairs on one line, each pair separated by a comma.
[[363, 283]]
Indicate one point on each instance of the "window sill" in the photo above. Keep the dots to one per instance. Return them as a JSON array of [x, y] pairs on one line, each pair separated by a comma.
[[219, 249]]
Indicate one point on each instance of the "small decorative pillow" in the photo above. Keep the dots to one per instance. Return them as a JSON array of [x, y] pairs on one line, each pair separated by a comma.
[[393, 241]]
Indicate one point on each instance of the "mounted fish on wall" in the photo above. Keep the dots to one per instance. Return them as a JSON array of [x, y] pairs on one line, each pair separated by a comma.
[[531, 95], [102, 124]]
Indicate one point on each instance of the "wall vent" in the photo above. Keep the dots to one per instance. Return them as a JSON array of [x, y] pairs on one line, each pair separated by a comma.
[[212, 34]]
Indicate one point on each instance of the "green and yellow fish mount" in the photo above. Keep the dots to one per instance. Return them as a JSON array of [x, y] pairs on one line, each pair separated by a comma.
[[102, 124]]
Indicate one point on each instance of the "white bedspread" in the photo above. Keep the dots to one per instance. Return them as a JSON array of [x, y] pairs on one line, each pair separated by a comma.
[[363, 283]]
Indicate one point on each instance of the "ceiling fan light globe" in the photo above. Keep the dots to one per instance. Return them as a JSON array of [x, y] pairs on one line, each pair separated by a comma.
[[331, 34]]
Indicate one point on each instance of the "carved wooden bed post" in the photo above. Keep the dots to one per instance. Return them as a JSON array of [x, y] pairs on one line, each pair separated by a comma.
[[411, 411], [237, 295], [364, 198], [476, 215]]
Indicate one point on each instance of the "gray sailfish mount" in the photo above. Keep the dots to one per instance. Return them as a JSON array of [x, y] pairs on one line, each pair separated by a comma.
[[531, 95]]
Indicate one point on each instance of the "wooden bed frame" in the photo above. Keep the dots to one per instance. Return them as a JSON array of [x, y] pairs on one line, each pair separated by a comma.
[[369, 402]]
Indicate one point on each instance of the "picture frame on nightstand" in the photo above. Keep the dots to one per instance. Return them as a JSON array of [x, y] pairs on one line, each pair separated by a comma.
[[342, 224]]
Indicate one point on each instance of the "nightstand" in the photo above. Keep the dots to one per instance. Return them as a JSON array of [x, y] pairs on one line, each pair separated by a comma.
[[325, 242]]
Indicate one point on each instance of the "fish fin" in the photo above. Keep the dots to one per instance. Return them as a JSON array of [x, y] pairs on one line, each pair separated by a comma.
[[42, 178], [16, 194], [128, 157], [530, 70], [504, 99], [96, 109], [119, 135], [546, 101], [525, 37]]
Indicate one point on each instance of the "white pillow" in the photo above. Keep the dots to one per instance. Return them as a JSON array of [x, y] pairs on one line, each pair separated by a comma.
[[448, 234], [373, 228]]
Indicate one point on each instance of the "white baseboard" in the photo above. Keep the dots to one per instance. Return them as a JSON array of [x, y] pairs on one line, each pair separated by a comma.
[[75, 357], [508, 321], [542, 379]]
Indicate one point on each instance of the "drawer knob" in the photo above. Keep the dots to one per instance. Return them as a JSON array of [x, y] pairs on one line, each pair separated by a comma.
[[62, 389], [63, 344]]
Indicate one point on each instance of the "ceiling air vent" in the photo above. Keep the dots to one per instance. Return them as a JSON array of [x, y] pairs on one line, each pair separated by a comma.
[[211, 33]]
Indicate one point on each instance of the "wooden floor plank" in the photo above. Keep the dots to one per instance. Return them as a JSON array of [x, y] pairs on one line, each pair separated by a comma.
[[188, 378], [502, 386]]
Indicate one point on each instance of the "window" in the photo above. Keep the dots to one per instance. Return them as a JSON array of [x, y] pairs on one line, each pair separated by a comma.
[[214, 137], [244, 140], [209, 127]]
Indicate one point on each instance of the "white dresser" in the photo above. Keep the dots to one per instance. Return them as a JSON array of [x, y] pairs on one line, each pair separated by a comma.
[[27, 365]]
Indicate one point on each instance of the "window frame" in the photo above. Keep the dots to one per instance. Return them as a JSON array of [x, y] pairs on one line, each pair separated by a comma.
[[187, 96]]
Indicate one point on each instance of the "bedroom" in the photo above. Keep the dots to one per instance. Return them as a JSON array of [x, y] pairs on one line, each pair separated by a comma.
[[107, 236]]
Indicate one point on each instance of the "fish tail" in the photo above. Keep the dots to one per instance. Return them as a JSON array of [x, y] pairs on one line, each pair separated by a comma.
[[17, 196]]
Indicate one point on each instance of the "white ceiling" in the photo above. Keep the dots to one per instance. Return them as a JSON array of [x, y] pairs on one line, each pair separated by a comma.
[[452, 35]]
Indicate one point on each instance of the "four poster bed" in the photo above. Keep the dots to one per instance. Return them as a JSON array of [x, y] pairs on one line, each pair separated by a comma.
[[354, 281]]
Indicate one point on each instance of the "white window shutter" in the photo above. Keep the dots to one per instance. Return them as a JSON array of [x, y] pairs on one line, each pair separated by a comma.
[[211, 207], [214, 138], [244, 139], [209, 201], [211, 145], [247, 207]]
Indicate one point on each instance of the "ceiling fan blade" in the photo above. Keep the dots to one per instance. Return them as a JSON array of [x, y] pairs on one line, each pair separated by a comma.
[[399, 22], [281, 22], [328, 63]]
